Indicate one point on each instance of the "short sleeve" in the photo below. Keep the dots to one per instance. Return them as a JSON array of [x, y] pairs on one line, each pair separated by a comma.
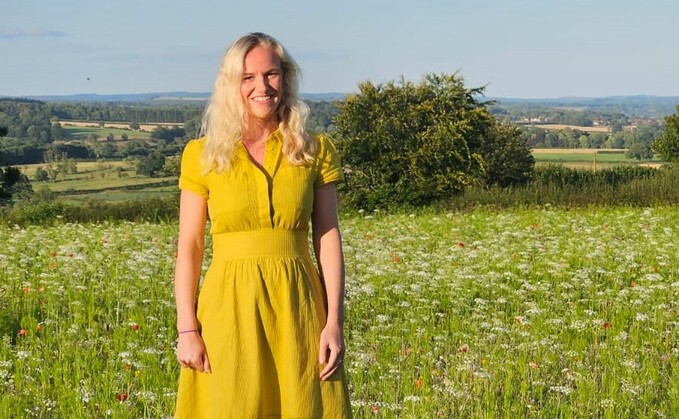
[[328, 163], [190, 177]]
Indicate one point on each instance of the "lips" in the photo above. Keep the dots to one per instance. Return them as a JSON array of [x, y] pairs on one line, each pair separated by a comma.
[[263, 99]]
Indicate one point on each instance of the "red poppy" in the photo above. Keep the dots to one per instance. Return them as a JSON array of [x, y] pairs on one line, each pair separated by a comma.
[[122, 397]]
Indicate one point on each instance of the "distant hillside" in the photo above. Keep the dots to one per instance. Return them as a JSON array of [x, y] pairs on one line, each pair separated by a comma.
[[162, 97], [639, 105], [631, 106]]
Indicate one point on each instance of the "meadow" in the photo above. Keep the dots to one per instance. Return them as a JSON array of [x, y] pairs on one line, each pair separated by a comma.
[[546, 313]]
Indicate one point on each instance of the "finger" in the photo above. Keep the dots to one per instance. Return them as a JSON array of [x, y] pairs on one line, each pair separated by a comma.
[[332, 365], [197, 363], [323, 352], [206, 364], [328, 371]]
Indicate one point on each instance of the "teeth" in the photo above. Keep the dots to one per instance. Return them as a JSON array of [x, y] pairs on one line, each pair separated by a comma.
[[261, 98]]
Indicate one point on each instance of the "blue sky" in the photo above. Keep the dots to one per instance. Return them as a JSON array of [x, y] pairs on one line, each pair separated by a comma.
[[518, 48]]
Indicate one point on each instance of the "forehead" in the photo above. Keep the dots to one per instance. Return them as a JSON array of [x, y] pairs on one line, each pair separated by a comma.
[[261, 58]]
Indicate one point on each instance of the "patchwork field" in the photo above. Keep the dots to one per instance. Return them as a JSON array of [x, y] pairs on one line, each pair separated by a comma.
[[104, 180], [586, 158], [120, 125], [557, 127], [511, 314]]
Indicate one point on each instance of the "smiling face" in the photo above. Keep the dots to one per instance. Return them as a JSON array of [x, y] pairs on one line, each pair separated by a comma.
[[261, 85]]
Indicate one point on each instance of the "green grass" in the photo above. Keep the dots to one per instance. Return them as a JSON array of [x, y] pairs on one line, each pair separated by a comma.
[[101, 181], [484, 314], [583, 157], [97, 183], [84, 132]]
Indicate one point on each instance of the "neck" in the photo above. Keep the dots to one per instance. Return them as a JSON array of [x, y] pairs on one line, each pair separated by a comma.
[[254, 131]]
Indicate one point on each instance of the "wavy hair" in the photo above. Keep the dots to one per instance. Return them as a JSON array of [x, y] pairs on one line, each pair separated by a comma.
[[224, 115]]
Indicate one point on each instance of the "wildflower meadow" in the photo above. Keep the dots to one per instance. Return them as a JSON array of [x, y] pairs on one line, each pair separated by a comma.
[[545, 313]]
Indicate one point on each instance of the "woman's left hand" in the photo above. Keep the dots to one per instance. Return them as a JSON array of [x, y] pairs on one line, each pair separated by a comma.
[[331, 350]]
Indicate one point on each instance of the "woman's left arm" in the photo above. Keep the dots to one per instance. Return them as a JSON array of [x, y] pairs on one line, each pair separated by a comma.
[[328, 247]]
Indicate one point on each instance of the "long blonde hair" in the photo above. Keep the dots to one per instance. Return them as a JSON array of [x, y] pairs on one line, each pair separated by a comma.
[[224, 115]]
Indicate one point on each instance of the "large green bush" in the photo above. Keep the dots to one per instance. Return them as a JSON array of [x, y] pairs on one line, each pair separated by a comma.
[[668, 145], [414, 144]]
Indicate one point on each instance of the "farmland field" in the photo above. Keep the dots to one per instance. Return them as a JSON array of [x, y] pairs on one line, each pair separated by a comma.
[[108, 180], [120, 125], [557, 127], [545, 313], [85, 132], [584, 158]]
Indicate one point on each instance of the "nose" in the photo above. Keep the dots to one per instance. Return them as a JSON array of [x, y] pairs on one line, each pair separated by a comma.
[[263, 83]]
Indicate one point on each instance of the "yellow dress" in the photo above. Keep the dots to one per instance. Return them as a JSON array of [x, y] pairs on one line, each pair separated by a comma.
[[261, 306]]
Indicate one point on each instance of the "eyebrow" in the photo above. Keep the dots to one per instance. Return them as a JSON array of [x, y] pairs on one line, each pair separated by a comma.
[[245, 73]]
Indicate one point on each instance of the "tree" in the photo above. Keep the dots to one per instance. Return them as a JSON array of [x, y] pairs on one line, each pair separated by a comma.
[[150, 165], [41, 175], [3, 132], [134, 126], [57, 132], [668, 145], [413, 144], [639, 151], [13, 183]]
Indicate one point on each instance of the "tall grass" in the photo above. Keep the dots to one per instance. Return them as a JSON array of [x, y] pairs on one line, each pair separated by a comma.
[[543, 313], [562, 186]]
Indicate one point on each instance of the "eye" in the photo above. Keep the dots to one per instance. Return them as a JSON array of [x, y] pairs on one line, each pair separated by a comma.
[[248, 77]]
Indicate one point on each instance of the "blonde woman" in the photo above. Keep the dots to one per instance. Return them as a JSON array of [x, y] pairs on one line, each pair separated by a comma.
[[264, 338]]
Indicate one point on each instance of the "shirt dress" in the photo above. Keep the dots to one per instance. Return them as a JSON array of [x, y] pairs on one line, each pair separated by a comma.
[[261, 306]]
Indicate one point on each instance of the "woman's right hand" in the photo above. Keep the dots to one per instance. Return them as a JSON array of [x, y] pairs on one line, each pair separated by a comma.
[[191, 352]]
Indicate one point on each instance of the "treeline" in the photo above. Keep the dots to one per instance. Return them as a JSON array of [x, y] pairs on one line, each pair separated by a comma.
[[540, 114], [638, 141], [34, 128]]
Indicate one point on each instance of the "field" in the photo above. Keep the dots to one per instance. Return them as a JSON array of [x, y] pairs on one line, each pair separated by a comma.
[[546, 313], [584, 158], [557, 127], [82, 133], [120, 125], [105, 180]]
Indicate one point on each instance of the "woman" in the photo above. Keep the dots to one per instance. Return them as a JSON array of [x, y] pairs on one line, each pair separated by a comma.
[[265, 337]]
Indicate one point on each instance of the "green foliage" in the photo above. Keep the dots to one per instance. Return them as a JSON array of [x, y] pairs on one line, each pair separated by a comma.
[[414, 144], [13, 184], [49, 212], [41, 175], [561, 176], [26, 119], [509, 161], [639, 151], [321, 116], [150, 165], [668, 145], [167, 134], [560, 186], [171, 166]]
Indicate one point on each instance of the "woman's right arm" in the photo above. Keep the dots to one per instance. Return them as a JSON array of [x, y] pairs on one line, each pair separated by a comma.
[[191, 350]]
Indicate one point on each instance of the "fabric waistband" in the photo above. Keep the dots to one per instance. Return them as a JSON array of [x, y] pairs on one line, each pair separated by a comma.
[[260, 243]]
